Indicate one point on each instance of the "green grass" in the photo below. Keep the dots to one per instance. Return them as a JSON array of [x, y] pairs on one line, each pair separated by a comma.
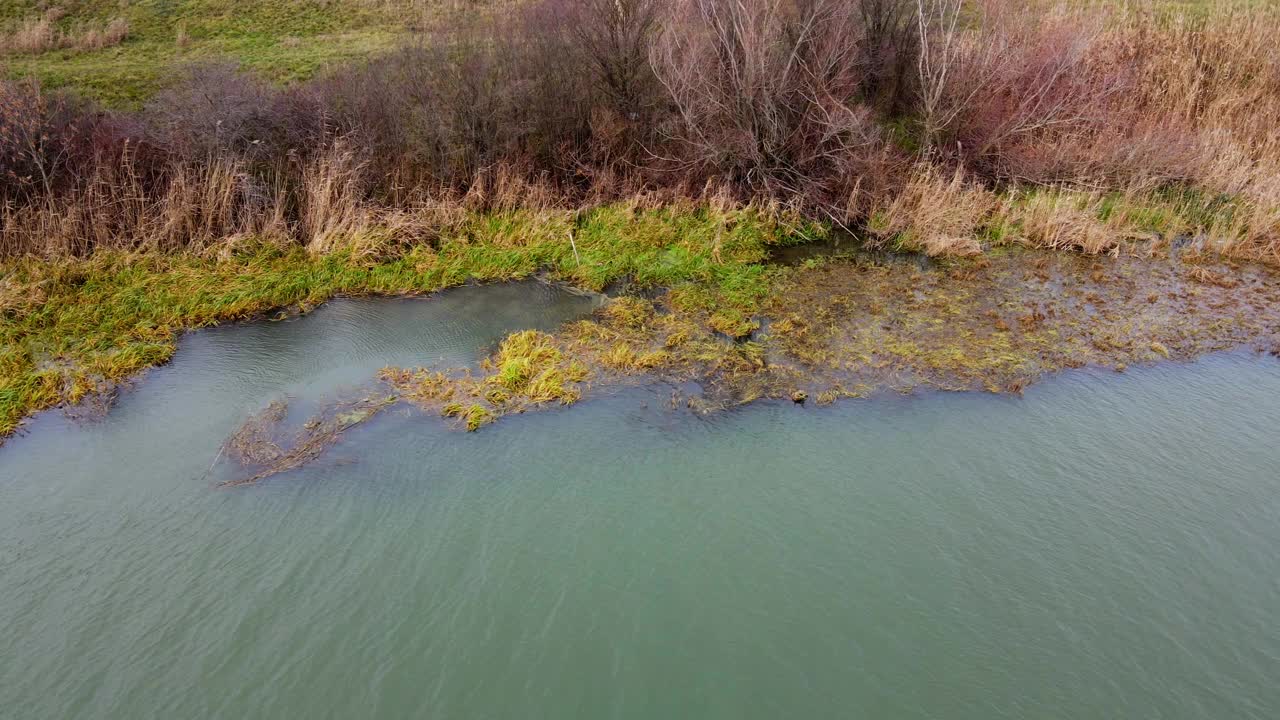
[[69, 327], [285, 40]]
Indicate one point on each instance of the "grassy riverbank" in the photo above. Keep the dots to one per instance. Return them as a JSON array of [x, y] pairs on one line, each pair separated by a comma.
[[832, 326], [73, 327]]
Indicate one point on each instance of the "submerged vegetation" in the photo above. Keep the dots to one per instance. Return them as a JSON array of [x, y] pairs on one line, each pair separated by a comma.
[[261, 442]]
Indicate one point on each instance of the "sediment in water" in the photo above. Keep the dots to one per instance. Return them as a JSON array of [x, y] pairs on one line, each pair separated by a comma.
[[263, 447]]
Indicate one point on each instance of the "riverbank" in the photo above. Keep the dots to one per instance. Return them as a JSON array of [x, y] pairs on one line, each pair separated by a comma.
[[715, 310], [73, 328]]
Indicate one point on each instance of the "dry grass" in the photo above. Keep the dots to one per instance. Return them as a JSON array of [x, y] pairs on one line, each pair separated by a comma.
[[208, 206], [202, 206], [39, 35], [1097, 99], [1062, 221], [1220, 79], [934, 213]]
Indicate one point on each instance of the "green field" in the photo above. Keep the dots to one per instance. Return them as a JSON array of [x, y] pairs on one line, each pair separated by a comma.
[[282, 39]]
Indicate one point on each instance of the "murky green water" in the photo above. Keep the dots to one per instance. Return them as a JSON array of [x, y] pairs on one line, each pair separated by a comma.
[[1105, 546]]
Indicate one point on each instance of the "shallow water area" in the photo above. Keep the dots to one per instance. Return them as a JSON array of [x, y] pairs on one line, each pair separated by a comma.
[[1101, 546]]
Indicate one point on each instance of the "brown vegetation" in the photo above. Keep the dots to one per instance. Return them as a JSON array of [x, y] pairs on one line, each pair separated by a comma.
[[41, 34], [261, 442], [931, 123]]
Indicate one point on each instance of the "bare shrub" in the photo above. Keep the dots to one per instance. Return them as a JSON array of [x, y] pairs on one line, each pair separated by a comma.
[[905, 115], [44, 138], [767, 93], [890, 49], [1018, 83], [213, 109], [440, 113], [614, 36]]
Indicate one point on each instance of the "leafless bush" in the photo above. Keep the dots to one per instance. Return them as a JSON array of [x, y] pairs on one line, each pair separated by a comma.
[[767, 93], [1017, 80], [43, 138], [890, 50], [215, 109], [905, 115]]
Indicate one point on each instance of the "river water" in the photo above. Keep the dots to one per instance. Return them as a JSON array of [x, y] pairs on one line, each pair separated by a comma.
[[1107, 545]]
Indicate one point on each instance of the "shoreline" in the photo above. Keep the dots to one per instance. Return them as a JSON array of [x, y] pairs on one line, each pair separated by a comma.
[[710, 295], [831, 327]]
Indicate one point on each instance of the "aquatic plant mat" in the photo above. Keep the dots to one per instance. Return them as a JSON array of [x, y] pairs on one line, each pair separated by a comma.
[[848, 327], [836, 327], [264, 446]]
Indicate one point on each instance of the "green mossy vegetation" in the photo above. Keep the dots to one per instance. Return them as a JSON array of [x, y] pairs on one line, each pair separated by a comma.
[[854, 325], [69, 328]]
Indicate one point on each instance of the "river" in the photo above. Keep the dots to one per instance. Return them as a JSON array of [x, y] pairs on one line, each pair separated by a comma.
[[1103, 546]]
